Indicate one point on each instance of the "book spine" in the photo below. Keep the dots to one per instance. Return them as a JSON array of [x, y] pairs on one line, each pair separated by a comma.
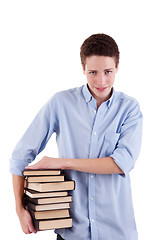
[[32, 214], [35, 224], [32, 200], [30, 206]]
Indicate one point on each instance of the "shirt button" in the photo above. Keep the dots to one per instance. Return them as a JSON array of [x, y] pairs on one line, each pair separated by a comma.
[[91, 176], [92, 220], [92, 198], [95, 111], [95, 133]]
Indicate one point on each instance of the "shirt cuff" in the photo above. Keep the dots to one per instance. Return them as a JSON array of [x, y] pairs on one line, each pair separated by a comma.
[[126, 164], [17, 166]]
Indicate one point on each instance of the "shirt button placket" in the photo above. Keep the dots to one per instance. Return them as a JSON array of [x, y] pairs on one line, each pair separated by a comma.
[[92, 179], [92, 209]]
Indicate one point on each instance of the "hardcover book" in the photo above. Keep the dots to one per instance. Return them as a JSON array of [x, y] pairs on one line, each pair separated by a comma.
[[49, 214], [42, 172], [52, 224], [51, 186], [49, 200], [35, 194], [44, 207]]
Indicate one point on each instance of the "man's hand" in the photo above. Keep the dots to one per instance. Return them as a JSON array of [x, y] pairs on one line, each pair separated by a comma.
[[26, 221], [48, 163], [23, 214]]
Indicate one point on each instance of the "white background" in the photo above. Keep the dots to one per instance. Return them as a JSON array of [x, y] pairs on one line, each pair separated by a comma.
[[39, 55]]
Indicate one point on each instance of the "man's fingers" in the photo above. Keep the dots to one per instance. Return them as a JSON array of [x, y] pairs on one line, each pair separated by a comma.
[[26, 222], [35, 166], [31, 228]]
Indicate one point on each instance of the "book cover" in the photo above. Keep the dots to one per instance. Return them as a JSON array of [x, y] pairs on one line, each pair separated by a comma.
[[52, 224], [42, 172], [57, 178], [49, 214], [49, 200], [51, 186], [35, 194], [44, 207]]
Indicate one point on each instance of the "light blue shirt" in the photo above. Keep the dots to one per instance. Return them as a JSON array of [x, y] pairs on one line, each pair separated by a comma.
[[102, 203]]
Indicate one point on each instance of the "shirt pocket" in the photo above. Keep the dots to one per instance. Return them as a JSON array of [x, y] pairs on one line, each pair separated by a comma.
[[110, 142]]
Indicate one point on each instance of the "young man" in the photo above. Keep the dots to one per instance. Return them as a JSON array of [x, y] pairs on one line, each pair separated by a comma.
[[98, 134]]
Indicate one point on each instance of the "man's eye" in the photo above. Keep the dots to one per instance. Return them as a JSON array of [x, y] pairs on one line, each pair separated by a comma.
[[92, 73], [108, 72]]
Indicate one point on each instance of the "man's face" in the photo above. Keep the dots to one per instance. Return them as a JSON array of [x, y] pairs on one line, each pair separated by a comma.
[[100, 73]]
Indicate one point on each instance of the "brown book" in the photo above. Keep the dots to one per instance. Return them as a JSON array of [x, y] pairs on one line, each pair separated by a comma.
[[35, 194], [51, 187], [49, 214], [52, 224], [49, 200], [42, 172], [45, 207], [59, 178]]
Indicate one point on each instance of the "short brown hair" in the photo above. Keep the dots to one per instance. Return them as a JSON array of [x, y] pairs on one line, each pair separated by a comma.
[[101, 45]]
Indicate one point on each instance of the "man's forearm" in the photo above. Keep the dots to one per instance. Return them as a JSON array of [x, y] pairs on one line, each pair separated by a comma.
[[104, 165], [18, 187]]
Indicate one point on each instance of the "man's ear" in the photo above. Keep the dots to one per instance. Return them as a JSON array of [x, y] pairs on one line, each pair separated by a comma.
[[83, 69], [117, 67]]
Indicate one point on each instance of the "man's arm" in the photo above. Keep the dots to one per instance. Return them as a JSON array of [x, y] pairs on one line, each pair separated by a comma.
[[104, 165], [23, 214], [30, 145]]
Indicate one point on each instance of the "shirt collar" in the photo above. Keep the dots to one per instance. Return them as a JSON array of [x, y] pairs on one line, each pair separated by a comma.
[[110, 100], [88, 96]]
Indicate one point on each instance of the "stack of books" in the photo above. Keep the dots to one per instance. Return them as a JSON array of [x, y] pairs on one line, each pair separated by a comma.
[[46, 198]]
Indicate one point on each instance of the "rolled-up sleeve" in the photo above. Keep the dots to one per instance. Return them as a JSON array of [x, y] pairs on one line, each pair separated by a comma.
[[35, 138], [129, 142]]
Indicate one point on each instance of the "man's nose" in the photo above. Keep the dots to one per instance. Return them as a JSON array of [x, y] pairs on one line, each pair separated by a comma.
[[101, 79]]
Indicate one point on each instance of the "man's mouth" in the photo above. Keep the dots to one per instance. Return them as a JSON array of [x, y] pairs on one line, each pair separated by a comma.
[[101, 89]]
